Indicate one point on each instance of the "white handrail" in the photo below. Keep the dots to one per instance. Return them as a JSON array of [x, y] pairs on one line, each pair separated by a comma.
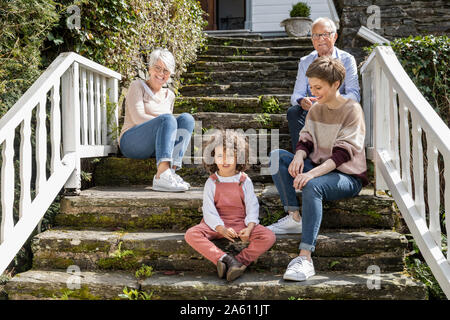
[[402, 118], [66, 136]]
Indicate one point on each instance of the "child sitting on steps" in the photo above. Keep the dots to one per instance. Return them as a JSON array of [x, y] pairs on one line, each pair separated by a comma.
[[230, 208]]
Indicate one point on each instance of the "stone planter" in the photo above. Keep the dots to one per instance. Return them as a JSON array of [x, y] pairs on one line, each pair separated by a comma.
[[297, 26]]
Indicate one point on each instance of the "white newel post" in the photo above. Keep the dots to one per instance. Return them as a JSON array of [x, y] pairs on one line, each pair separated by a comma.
[[113, 91], [381, 121], [71, 121]]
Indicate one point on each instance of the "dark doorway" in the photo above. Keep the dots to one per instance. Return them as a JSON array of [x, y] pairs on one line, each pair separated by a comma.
[[224, 14]]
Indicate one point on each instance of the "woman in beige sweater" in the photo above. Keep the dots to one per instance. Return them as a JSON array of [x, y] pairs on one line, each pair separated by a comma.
[[151, 130], [329, 162]]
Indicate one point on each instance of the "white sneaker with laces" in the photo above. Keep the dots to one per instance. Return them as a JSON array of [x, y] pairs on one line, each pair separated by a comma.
[[299, 269], [180, 179], [286, 225], [167, 182]]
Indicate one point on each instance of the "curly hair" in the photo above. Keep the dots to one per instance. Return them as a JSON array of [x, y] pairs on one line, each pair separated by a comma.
[[229, 138]]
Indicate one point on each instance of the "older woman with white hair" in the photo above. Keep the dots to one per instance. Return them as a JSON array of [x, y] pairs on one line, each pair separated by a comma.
[[151, 130]]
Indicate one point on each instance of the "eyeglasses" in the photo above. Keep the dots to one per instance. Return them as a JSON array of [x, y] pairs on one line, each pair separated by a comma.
[[326, 35], [159, 70]]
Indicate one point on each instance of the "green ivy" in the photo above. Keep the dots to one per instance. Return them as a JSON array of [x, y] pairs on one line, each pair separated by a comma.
[[24, 25], [426, 61], [121, 34]]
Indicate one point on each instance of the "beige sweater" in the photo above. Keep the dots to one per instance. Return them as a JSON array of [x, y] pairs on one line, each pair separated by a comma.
[[336, 134], [140, 106]]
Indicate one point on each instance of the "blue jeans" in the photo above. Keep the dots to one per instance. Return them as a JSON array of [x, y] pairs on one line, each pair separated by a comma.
[[334, 185], [296, 121], [164, 137]]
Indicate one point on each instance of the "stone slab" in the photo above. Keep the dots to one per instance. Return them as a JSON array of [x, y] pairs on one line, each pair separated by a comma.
[[37, 284], [139, 208], [95, 250], [57, 285]]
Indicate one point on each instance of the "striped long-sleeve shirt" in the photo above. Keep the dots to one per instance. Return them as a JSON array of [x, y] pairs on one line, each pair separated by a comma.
[[336, 134], [348, 89]]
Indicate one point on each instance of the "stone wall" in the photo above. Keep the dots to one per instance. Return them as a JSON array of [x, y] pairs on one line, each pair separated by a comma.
[[399, 18]]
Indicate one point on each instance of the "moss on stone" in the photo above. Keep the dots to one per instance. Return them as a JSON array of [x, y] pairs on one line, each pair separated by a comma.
[[124, 171], [130, 262]]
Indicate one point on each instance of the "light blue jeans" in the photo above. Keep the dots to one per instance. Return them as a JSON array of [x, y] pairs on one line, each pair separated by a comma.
[[334, 185], [164, 137]]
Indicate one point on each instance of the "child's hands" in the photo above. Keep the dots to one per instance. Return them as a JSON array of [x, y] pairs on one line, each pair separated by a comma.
[[228, 233], [244, 234]]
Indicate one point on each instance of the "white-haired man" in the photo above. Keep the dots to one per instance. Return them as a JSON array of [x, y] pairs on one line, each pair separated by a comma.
[[323, 37]]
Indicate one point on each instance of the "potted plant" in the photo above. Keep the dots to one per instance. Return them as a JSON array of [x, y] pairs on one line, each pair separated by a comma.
[[299, 23]]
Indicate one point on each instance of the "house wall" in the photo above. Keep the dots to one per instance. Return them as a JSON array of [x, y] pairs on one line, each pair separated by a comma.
[[267, 14]]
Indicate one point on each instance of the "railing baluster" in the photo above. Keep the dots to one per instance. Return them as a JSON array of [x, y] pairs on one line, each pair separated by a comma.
[[41, 144], [393, 111], [25, 166], [418, 165], [447, 197], [7, 188], [405, 154], [91, 109], [55, 128], [433, 191], [98, 113], [104, 112], [84, 108]]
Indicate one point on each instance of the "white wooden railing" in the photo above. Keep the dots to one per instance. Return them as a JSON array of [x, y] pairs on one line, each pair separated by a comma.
[[402, 118], [75, 89]]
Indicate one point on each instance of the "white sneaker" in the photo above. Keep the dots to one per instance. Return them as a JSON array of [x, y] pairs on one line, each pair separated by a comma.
[[286, 225], [299, 269], [180, 179], [167, 182]]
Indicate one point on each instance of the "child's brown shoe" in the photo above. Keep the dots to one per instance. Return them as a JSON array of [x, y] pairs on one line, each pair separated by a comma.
[[221, 269], [234, 268]]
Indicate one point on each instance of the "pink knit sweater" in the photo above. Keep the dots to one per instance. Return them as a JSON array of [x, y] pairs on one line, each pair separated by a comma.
[[336, 134]]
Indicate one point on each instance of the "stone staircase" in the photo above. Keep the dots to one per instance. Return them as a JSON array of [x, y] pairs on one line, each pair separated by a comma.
[[111, 230]]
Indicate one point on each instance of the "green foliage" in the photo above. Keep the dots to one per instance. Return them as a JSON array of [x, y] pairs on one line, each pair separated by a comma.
[[418, 268], [24, 25], [269, 105], [134, 294], [144, 272], [121, 34], [426, 61], [121, 254], [300, 9]]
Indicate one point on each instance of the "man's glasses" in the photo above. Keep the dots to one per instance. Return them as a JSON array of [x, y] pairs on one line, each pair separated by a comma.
[[159, 70], [326, 35]]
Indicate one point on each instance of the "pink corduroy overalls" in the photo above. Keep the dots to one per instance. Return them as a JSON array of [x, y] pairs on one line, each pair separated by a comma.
[[229, 202]]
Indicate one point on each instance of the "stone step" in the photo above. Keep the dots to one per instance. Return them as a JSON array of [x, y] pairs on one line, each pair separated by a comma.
[[291, 51], [96, 250], [109, 172], [266, 42], [137, 208], [239, 88], [243, 66], [37, 284], [265, 58], [225, 77], [230, 104], [242, 121]]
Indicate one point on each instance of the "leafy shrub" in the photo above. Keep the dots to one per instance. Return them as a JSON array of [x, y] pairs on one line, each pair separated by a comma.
[[121, 34], [24, 25], [426, 61], [300, 9]]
